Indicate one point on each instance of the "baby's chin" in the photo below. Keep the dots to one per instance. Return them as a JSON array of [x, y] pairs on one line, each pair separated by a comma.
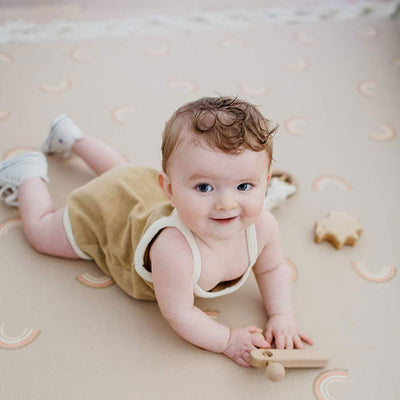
[[221, 230]]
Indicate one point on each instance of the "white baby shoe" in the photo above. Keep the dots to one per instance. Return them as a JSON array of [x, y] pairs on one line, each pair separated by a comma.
[[62, 136], [17, 169], [278, 191]]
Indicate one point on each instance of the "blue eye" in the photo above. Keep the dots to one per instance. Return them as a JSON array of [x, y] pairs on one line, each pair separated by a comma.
[[245, 186], [204, 188]]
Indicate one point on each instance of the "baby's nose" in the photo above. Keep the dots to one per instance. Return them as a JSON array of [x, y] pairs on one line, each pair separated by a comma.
[[225, 201]]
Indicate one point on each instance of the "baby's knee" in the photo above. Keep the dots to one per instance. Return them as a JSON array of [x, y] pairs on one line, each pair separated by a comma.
[[36, 235], [42, 234]]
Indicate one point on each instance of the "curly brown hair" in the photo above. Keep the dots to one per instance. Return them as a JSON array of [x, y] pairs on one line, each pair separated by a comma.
[[227, 124]]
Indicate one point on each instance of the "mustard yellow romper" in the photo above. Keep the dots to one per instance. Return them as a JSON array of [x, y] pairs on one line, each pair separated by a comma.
[[113, 220]]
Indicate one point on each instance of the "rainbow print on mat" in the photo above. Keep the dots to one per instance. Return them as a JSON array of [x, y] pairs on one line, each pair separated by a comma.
[[16, 151], [19, 341], [4, 114], [214, 314], [293, 270], [8, 224], [118, 114], [190, 86], [324, 380], [383, 274], [95, 282], [55, 88], [386, 132], [296, 125], [368, 88], [323, 180]]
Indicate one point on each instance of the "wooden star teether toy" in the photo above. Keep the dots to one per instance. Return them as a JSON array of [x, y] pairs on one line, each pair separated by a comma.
[[276, 361], [339, 228]]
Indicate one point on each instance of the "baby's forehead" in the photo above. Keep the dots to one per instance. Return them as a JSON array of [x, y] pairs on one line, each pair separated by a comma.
[[198, 158]]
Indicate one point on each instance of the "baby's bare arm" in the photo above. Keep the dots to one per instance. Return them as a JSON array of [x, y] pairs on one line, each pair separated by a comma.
[[172, 263], [271, 271], [273, 278]]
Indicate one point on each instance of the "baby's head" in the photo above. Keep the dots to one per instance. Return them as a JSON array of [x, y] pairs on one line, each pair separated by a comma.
[[216, 158], [225, 124]]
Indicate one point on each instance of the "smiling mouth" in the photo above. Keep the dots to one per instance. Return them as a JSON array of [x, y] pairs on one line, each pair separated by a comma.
[[223, 220]]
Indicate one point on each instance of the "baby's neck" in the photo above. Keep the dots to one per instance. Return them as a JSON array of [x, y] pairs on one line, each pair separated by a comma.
[[216, 243]]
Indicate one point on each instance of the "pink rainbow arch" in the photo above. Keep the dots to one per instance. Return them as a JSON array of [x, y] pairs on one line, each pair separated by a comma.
[[19, 341], [322, 180], [384, 274], [323, 381], [95, 282]]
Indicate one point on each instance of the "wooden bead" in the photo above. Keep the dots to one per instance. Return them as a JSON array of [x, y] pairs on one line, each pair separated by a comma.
[[275, 371]]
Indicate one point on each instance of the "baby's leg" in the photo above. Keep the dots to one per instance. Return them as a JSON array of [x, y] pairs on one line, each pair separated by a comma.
[[43, 226], [97, 155], [66, 137]]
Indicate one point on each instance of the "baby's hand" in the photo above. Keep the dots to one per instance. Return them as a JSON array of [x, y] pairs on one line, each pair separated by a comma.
[[284, 330], [242, 341]]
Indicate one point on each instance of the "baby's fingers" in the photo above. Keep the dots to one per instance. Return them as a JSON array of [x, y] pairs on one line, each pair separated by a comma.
[[279, 341], [269, 336], [258, 340], [254, 329], [298, 344], [242, 362], [306, 339], [289, 342]]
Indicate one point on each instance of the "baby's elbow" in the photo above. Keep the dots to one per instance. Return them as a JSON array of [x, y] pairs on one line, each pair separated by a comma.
[[174, 309], [177, 318]]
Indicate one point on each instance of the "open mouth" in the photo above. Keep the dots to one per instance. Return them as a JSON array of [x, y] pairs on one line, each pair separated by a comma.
[[224, 220]]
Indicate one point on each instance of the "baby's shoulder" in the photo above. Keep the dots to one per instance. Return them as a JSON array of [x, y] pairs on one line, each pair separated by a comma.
[[170, 248], [267, 228]]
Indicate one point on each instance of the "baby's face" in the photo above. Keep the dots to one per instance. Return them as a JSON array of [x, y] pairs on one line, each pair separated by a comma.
[[217, 195]]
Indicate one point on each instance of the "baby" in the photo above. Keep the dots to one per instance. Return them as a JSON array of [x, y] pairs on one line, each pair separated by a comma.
[[197, 228]]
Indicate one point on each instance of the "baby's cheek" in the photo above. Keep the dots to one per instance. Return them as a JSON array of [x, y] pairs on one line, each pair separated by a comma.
[[258, 206]]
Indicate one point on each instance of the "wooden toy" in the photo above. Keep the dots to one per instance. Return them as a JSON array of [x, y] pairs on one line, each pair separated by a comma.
[[276, 360], [339, 228]]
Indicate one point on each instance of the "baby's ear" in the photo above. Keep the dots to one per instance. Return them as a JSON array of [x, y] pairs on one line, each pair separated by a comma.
[[165, 184]]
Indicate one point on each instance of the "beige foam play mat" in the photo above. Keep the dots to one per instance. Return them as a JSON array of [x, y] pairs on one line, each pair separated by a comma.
[[332, 84]]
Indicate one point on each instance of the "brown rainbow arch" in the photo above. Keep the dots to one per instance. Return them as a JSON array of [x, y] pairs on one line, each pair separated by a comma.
[[214, 314], [295, 125], [78, 55], [303, 37], [6, 225], [4, 115], [300, 65], [322, 180], [370, 32], [387, 132], [325, 379], [5, 58], [62, 86], [19, 341], [15, 151], [250, 91], [293, 270], [119, 114], [161, 50], [190, 86], [367, 88], [230, 42], [384, 274], [95, 282]]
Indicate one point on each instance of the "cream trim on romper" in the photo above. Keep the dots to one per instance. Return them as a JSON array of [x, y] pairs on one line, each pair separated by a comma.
[[174, 221], [70, 236]]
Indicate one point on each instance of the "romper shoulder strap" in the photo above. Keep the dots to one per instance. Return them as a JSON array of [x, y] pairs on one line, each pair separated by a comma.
[[172, 220]]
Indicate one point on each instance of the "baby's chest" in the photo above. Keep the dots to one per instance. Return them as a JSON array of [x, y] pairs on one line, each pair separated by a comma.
[[217, 267]]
